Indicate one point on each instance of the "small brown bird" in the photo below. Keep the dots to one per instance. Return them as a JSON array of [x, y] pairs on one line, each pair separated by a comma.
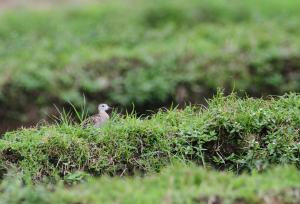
[[99, 119]]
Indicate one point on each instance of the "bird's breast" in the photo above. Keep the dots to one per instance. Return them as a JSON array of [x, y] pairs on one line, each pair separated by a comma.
[[100, 119]]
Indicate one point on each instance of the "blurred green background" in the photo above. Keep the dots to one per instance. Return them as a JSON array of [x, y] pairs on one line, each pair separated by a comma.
[[147, 53]]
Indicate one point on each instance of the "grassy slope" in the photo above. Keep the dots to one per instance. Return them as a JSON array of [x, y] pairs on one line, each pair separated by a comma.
[[179, 184], [113, 52], [232, 133]]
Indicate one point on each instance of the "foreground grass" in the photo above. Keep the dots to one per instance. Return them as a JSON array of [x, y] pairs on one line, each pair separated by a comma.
[[177, 184], [231, 133], [148, 52]]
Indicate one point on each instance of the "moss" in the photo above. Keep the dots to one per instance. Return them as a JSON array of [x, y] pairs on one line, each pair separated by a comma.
[[231, 133], [175, 184]]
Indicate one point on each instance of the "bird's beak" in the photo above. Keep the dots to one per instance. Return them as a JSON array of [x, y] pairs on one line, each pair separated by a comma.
[[109, 108]]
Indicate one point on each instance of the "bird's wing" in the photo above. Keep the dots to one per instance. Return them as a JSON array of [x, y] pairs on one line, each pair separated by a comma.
[[96, 120], [90, 120]]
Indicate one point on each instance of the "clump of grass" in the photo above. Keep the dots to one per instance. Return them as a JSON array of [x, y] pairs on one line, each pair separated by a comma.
[[176, 184], [231, 133], [67, 117]]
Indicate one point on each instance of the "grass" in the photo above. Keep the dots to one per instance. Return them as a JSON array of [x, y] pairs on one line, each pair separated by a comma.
[[150, 53], [195, 47], [231, 133], [177, 184]]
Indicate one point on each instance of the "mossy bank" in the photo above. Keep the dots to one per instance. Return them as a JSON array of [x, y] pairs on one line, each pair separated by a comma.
[[231, 133]]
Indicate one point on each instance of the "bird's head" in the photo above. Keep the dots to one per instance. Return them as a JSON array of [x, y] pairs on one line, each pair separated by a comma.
[[103, 107]]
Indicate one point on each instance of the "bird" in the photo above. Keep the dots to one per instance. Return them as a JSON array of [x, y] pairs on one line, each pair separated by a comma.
[[99, 119]]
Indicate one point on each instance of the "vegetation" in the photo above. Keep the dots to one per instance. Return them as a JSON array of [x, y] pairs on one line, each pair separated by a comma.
[[239, 148], [232, 133], [179, 184], [114, 52]]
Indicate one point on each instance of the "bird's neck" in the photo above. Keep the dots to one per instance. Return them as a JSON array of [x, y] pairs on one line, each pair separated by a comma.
[[102, 111]]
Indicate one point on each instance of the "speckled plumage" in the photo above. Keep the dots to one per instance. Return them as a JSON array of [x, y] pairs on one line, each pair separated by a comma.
[[99, 119]]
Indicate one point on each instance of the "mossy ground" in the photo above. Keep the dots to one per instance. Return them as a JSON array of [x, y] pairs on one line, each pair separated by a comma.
[[241, 138], [231, 133], [177, 184]]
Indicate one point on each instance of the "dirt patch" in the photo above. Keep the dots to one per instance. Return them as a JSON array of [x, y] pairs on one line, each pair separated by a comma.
[[11, 155]]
